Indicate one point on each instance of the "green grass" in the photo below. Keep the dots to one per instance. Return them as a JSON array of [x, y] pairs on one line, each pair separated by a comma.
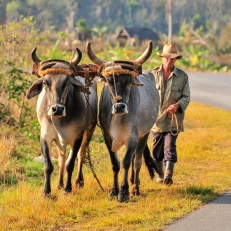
[[201, 174]]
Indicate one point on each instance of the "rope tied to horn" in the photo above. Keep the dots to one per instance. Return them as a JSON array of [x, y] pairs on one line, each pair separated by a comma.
[[118, 67], [54, 67]]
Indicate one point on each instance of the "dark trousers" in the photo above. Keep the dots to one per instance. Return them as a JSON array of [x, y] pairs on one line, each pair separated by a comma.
[[164, 146]]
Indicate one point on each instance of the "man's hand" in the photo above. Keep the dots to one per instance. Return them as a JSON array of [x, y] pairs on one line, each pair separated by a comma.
[[173, 108]]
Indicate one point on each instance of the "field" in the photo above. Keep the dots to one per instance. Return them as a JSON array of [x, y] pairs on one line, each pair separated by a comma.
[[201, 174]]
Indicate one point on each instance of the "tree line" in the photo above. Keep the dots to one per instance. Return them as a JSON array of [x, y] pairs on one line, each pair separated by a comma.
[[114, 14]]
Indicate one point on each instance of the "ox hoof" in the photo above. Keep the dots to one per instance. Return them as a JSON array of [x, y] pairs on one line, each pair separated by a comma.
[[67, 190], [114, 193], [60, 187], [135, 192], [80, 184], [47, 192], [47, 195], [123, 197]]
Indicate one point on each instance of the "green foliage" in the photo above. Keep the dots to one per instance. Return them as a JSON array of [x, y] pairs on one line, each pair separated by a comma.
[[100, 31], [55, 52], [16, 88], [200, 49], [142, 13], [82, 25], [210, 30], [134, 3], [17, 40], [205, 194], [33, 171], [118, 53], [32, 130]]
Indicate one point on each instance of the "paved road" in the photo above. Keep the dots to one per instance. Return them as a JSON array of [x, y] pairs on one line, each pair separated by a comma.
[[215, 216], [214, 90]]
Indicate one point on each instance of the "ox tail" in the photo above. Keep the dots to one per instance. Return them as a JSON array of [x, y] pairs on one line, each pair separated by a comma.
[[150, 162]]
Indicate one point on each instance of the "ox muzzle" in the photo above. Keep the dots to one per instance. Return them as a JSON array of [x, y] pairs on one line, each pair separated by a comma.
[[57, 110], [119, 108]]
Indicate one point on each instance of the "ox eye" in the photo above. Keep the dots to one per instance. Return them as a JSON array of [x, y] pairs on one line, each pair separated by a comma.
[[129, 82], [45, 83]]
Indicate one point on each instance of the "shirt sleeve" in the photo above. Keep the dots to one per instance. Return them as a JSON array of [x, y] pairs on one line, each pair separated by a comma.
[[185, 99]]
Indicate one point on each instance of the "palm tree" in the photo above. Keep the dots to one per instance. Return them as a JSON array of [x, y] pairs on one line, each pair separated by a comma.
[[100, 32]]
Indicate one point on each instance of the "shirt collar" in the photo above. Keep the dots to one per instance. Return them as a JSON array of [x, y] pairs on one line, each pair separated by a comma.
[[174, 71]]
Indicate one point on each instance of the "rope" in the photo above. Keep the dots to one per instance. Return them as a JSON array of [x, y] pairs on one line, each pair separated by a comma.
[[177, 128], [64, 95], [116, 97], [114, 82], [172, 120], [88, 162]]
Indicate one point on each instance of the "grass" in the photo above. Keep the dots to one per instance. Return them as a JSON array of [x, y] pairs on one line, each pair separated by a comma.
[[201, 174]]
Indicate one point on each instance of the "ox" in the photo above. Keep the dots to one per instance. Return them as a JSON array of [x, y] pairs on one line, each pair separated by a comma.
[[61, 112], [128, 109]]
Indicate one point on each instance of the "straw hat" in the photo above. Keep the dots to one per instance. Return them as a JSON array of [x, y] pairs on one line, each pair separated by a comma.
[[170, 51]]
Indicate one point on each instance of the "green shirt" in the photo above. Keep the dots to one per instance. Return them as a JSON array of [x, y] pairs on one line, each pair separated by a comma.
[[177, 91]]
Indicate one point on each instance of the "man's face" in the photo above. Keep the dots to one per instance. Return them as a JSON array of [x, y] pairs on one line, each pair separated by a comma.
[[168, 63]]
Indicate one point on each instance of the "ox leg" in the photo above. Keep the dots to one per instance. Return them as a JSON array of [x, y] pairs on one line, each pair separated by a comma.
[[48, 166], [115, 165], [82, 155], [70, 163], [124, 190], [79, 182], [132, 170], [115, 168], [137, 161], [61, 161]]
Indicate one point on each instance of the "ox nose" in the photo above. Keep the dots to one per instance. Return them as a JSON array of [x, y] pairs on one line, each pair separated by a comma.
[[57, 110], [119, 108]]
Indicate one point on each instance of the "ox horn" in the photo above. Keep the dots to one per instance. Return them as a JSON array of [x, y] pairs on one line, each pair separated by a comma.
[[92, 56], [145, 55], [77, 57], [34, 56]]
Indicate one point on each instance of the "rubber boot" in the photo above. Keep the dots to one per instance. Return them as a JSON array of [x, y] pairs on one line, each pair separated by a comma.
[[168, 173], [160, 177]]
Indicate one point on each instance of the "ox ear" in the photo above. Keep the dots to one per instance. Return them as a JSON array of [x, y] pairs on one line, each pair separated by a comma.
[[35, 89], [136, 82], [78, 86]]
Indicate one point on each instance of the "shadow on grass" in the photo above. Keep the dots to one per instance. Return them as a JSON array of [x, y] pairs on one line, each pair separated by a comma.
[[204, 194]]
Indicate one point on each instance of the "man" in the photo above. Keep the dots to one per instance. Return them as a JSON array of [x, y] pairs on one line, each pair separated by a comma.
[[173, 87]]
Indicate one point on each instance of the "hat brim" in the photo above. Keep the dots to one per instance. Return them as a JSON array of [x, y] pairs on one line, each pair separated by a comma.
[[169, 55]]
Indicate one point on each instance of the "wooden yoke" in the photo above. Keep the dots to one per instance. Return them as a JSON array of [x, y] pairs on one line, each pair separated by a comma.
[[92, 70], [88, 72]]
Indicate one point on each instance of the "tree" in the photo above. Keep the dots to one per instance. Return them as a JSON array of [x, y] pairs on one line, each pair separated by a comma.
[[83, 30], [169, 19], [100, 32]]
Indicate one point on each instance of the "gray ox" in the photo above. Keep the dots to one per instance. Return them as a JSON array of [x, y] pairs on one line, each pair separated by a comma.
[[128, 109], [61, 111]]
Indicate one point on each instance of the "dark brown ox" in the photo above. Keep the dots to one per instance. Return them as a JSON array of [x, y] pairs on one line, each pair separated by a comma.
[[62, 114], [128, 109]]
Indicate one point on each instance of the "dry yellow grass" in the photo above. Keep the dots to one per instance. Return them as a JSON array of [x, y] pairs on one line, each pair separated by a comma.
[[202, 173], [7, 147]]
